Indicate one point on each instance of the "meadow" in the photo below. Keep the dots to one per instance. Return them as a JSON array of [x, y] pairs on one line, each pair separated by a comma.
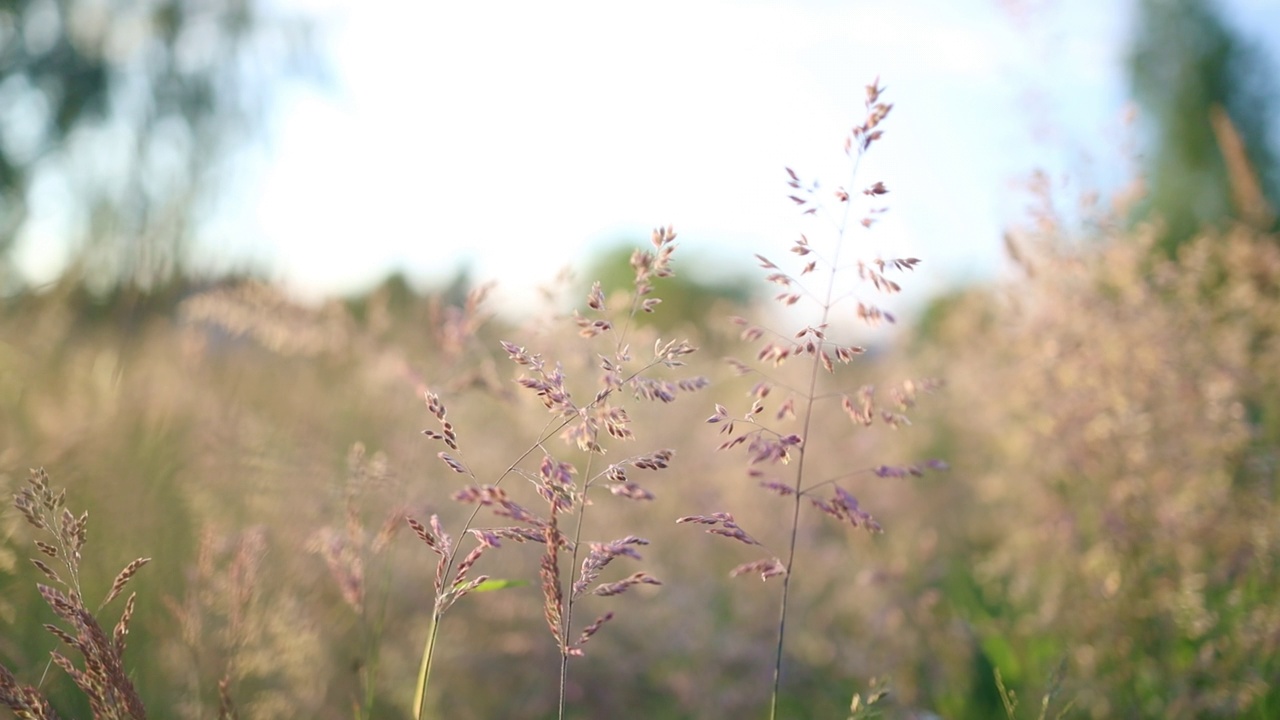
[[1052, 496]]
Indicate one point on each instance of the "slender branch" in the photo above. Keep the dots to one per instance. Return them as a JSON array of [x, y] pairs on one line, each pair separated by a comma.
[[800, 464]]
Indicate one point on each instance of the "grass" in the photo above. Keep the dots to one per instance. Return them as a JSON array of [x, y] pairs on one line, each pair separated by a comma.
[[1105, 539], [768, 443], [101, 675]]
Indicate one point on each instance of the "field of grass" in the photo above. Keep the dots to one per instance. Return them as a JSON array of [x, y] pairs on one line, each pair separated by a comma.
[[309, 484]]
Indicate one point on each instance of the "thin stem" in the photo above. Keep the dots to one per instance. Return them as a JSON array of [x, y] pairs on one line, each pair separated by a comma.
[[424, 670], [791, 548], [804, 433], [833, 480], [573, 571], [428, 652], [619, 344]]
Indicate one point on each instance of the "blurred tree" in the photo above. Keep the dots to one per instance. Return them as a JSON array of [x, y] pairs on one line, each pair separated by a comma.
[[685, 299], [1185, 62], [115, 116]]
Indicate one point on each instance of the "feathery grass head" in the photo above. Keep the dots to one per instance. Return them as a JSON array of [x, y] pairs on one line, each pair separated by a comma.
[[102, 677]]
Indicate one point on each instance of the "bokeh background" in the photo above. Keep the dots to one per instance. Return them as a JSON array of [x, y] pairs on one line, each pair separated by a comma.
[[238, 239]]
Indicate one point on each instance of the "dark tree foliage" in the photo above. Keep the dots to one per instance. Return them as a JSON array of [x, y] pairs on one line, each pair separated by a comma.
[[115, 116], [1185, 61]]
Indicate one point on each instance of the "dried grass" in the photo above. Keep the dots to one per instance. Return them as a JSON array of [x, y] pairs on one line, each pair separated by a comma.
[[102, 677]]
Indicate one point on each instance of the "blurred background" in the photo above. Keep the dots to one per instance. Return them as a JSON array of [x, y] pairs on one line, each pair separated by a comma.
[[157, 140], [237, 239]]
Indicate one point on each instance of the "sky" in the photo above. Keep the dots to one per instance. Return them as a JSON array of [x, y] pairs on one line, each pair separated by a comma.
[[517, 138]]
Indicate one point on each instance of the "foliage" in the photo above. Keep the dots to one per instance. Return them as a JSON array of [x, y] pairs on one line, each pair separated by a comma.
[[1187, 65], [128, 108], [1122, 426]]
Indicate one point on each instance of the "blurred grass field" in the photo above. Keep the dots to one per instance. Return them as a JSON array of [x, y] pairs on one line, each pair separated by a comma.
[[1111, 420]]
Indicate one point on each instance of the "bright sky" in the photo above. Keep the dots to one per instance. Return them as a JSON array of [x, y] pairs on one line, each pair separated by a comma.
[[516, 137]]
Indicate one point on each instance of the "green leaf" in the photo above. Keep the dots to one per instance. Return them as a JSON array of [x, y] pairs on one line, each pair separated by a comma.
[[490, 585]]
